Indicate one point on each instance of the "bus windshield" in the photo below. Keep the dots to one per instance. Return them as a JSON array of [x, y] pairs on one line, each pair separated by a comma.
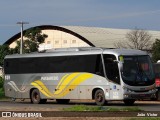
[[137, 70]]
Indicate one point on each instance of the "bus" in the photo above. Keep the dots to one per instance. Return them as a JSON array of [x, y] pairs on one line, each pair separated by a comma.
[[88, 73]]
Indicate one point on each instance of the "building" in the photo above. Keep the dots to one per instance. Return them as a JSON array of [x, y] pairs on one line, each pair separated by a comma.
[[78, 36]]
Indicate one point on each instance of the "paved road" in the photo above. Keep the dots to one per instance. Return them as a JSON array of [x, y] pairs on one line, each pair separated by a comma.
[[51, 105]]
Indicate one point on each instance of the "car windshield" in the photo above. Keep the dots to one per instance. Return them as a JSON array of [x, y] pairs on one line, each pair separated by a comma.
[[137, 70]]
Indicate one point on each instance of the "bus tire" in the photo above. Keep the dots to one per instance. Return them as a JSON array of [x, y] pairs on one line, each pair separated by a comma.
[[100, 97], [62, 101], [129, 102], [35, 97]]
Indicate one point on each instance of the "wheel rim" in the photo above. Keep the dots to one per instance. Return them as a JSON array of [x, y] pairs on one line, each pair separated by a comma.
[[99, 97], [35, 96]]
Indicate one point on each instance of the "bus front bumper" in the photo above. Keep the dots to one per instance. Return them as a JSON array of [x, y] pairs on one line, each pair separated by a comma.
[[140, 95]]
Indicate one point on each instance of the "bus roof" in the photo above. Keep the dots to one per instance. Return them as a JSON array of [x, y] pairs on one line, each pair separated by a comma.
[[79, 51], [124, 52]]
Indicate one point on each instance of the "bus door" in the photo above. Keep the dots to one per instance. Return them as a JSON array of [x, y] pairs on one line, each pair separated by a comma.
[[112, 74]]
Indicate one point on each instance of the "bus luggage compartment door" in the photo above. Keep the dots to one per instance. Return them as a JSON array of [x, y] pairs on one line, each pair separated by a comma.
[[9, 91], [115, 92], [85, 92]]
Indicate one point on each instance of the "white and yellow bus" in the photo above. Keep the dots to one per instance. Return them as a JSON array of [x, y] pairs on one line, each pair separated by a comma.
[[80, 73]]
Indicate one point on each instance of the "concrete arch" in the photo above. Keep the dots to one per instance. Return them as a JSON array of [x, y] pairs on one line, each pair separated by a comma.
[[50, 27]]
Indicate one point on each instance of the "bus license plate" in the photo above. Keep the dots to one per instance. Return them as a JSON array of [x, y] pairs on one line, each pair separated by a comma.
[[142, 95]]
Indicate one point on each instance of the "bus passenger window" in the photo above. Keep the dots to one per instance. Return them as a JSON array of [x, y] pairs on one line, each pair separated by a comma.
[[6, 64]]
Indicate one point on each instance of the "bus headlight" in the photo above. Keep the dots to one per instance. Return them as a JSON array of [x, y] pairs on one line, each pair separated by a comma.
[[126, 95], [126, 89], [153, 90]]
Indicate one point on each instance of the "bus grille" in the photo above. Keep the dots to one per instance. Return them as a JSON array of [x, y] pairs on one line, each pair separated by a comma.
[[141, 96], [141, 91]]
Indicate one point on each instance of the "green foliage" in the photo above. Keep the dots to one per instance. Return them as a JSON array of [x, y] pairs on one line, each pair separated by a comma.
[[1, 82], [156, 50], [1, 92], [4, 50], [34, 38], [131, 109], [2, 95], [35, 34], [1, 87], [83, 108], [145, 118], [100, 108]]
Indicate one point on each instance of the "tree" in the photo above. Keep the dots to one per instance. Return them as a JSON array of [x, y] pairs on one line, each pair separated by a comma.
[[4, 50], [136, 39], [156, 50], [34, 37]]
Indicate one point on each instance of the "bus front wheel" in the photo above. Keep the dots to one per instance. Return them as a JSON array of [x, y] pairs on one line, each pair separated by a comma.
[[35, 97], [129, 102], [100, 97]]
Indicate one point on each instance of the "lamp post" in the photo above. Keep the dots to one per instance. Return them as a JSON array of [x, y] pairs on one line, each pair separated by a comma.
[[21, 43]]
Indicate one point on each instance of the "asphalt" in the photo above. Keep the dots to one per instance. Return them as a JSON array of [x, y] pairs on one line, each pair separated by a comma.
[[52, 110], [51, 105]]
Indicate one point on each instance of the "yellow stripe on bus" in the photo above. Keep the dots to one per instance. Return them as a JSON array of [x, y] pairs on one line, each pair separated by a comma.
[[40, 83], [65, 83], [40, 89], [75, 83], [63, 78]]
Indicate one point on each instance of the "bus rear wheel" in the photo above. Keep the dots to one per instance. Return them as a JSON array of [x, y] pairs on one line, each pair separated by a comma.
[[35, 97], [100, 97], [128, 102], [62, 101]]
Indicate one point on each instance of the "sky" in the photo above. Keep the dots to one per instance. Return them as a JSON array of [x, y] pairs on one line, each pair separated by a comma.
[[122, 14]]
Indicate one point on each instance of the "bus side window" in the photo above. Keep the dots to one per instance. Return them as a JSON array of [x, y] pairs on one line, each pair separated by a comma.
[[6, 64], [111, 68]]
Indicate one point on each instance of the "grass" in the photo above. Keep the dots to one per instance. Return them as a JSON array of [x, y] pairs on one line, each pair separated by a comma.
[[100, 108], [2, 95], [1, 92], [145, 118]]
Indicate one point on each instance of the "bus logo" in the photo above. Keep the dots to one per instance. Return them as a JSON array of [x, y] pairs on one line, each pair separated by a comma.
[[6, 114]]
